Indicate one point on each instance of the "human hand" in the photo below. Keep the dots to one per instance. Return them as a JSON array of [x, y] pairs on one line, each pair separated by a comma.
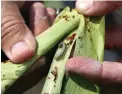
[[94, 8], [107, 73], [18, 40], [14, 30]]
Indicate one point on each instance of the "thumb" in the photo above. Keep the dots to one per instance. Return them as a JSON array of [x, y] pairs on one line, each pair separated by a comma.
[[18, 42], [94, 8], [106, 73]]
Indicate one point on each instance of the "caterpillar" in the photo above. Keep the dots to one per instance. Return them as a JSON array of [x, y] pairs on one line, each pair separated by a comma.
[[63, 46]]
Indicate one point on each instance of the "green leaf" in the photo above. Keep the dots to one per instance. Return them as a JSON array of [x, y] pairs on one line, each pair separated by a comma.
[[89, 43]]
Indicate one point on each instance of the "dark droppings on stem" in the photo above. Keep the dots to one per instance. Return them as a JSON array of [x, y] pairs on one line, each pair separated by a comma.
[[88, 30], [3, 75], [79, 37], [73, 16], [56, 68], [67, 43], [66, 17], [54, 85], [91, 39], [71, 42], [46, 93], [48, 77], [54, 72], [59, 17]]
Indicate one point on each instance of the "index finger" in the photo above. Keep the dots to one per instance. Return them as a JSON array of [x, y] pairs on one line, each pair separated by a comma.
[[95, 8]]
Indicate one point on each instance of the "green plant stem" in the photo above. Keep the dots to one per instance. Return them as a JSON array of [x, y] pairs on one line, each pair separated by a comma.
[[45, 41], [57, 70], [90, 43]]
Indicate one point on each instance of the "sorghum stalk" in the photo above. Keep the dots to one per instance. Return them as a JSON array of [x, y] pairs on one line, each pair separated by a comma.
[[56, 73], [45, 41], [90, 43]]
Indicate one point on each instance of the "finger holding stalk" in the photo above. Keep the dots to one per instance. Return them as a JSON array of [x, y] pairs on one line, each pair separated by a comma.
[[90, 43], [45, 42], [87, 44]]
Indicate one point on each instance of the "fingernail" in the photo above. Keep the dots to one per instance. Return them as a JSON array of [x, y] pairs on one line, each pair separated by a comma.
[[40, 11], [84, 5], [51, 11], [20, 52], [69, 65], [19, 48]]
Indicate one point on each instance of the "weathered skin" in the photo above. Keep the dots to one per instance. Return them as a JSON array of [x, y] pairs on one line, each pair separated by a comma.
[[105, 73]]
